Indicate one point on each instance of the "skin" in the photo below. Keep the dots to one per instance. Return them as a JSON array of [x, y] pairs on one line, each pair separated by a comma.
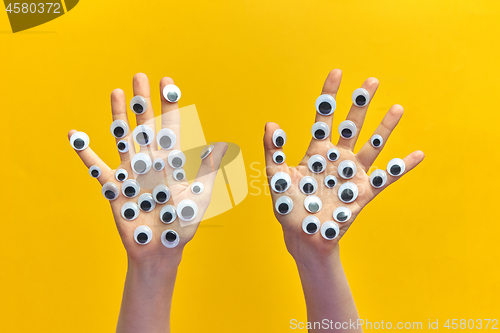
[[324, 283], [152, 268]]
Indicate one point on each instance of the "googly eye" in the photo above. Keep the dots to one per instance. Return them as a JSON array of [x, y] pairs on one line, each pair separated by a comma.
[[119, 128], [330, 230], [279, 157], [138, 104], [347, 169], [179, 174], [161, 194], [176, 159], [330, 181], [396, 167], [110, 191], [130, 188], [206, 151], [310, 225], [313, 204], [348, 192], [317, 163], [376, 141], [130, 211], [166, 138], [168, 214], [342, 214], [143, 235], [284, 205], [187, 210], [146, 202], [95, 171], [320, 131], [279, 138], [325, 104], [378, 178], [169, 238], [158, 164], [360, 97], [143, 135], [79, 141], [347, 129], [141, 163], [122, 146], [197, 188], [308, 185], [121, 175], [171, 93], [333, 154], [281, 182]]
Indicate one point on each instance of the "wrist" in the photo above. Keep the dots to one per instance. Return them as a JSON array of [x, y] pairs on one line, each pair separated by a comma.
[[156, 266], [318, 261]]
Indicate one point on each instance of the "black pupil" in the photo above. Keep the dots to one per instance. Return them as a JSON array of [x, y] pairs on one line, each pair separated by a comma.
[[118, 131], [377, 181], [187, 212], [279, 158], [281, 185], [283, 208], [333, 156], [140, 166], [360, 100], [161, 196], [196, 189], [308, 188], [325, 107], [95, 173], [121, 176], [330, 233], [348, 172], [142, 238], [180, 176], [331, 182], [395, 169], [346, 133], [170, 236], [142, 138], [79, 143], [312, 227], [138, 108], [129, 191], [167, 217], [121, 146], [319, 134], [165, 142], [376, 142], [280, 141], [347, 194], [109, 194], [342, 216], [317, 166], [158, 166], [146, 205], [129, 213], [176, 162]]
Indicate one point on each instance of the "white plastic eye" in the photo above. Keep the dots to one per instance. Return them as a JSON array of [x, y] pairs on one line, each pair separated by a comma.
[[166, 138], [347, 169], [333, 154], [110, 191], [141, 163], [171, 93], [143, 135], [396, 167], [131, 188], [122, 146], [79, 140], [347, 129], [342, 214], [279, 138], [121, 175], [146, 202], [308, 185], [310, 225], [279, 157], [197, 188], [169, 238], [330, 230], [313, 204], [360, 97], [158, 164], [378, 178], [320, 131], [281, 182], [317, 163], [161, 193], [176, 159], [143, 235], [138, 104], [348, 192], [330, 181], [376, 141], [179, 174], [95, 171], [284, 205], [119, 128], [206, 151], [130, 211], [325, 104], [168, 214], [187, 210]]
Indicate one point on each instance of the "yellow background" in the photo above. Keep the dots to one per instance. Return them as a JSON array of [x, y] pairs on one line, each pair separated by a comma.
[[426, 248]]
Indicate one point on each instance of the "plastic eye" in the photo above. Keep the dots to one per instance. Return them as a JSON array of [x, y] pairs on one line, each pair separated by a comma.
[[347, 129], [308, 185], [161, 194], [330, 181], [316, 163], [138, 104], [197, 188], [95, 171], [284, 205], [130, 188], [168, 214], [146, 202], [121, 175], [279, 157], [206, 151], [313, 204], [179, 174], [143, 235], [333, 154], [110, 191], [310, 225], [158, 164], [187, 210], [166, 138], [279, 138], [376, 141], [122, 146], [378, 178], [171, 93], [281, 182], [348, 192], [119, 128], [342, 214], [360, 97], [79, 140], [330, 230], [325, 104], [347, 169], [320, 131], [130, 211], [176, 159], [169, 239], [143, 135], [396, 167], [141, 163]]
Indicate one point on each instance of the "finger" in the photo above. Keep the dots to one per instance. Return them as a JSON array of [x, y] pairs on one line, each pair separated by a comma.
[[119, 111], [330, 87], [357, 114], [209, 167], [141, 87], [367, 155], [170, 116], [272, 167]]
